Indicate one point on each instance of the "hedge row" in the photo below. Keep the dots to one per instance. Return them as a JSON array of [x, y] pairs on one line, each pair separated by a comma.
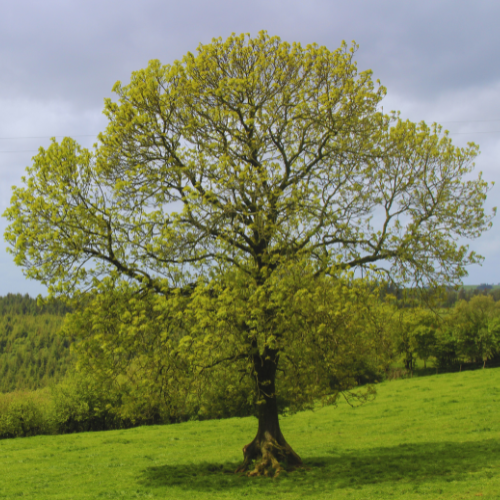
[[76, 405]]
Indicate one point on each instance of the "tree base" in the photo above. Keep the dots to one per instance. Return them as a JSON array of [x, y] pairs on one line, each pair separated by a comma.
[[268, 453]]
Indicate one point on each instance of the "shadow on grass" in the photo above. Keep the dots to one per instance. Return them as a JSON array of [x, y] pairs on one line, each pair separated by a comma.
[[411, 463]]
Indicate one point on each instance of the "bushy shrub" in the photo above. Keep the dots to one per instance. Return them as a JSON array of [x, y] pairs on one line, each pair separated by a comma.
[[25, 414], [80, 404]]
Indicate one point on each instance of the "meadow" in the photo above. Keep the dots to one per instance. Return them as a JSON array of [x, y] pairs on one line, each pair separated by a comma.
[[435, 437]]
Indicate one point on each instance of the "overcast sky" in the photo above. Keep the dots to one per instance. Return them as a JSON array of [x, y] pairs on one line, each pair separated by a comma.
[[439, 61]]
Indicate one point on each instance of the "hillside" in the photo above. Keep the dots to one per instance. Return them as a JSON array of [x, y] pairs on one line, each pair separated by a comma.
[[434, 437], [32, 354]]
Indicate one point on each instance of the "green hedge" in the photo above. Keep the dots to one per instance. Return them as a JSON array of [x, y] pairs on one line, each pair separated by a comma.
[[77, 404], [81, 404], [26, 414]]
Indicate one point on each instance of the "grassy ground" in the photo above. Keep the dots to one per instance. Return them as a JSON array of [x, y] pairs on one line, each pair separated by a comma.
[[434, 437]]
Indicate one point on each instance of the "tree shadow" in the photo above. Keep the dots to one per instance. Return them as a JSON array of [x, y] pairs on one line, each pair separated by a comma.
[[413, 463]]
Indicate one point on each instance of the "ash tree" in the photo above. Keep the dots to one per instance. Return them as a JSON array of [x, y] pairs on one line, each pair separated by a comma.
[[217, 228]]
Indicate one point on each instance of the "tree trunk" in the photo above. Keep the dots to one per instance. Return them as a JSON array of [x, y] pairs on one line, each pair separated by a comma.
[[269, 447]]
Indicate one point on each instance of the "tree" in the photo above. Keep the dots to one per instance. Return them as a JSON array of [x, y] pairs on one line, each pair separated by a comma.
[[425, 334], [476, 328], [247, 180], [415, 334]]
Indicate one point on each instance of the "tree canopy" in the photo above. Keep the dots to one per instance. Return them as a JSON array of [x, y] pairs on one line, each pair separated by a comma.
[[219, 223]]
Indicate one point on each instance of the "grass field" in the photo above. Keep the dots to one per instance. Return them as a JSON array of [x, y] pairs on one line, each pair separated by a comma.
[[435, 437]]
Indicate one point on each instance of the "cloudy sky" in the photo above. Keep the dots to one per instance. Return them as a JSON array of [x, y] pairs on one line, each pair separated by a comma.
[[59, 59]]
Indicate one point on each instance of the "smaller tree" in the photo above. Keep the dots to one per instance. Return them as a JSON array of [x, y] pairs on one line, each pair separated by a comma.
[[424, 334], [491, 341], [445, 349], [403, 337], [475, 328], [414, 334]]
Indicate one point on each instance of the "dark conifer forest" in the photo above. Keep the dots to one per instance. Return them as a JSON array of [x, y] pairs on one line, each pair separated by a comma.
[[32, 354]]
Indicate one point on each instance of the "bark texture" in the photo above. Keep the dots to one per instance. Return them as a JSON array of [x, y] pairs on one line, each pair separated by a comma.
[[269, 448]]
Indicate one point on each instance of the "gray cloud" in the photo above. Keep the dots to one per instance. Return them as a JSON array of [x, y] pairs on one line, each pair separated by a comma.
[[59, 59], [76, 50]]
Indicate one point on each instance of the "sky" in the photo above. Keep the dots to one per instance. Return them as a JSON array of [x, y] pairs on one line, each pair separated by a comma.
[[438, 60]]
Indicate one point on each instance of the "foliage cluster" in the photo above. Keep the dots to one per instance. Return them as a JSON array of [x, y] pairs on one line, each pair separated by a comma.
[[25, 414], [189, 357]]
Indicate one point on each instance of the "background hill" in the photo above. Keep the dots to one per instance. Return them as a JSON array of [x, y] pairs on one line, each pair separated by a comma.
[[32, 354]]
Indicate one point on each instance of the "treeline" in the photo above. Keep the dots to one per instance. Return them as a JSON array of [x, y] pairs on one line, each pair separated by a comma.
[[456, 338], [449, 297], [454, 296], [24, 305]]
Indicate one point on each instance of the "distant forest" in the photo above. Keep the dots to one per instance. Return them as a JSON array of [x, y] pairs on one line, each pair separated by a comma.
[[469, 292], [24, 305], [32, 354], [451, 296]]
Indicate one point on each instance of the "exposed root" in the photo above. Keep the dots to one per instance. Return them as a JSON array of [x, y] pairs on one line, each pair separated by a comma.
[[267, 454], [247, 460]]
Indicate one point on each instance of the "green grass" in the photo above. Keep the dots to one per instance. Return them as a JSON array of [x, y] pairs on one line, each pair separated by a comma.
[[434, 437]]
